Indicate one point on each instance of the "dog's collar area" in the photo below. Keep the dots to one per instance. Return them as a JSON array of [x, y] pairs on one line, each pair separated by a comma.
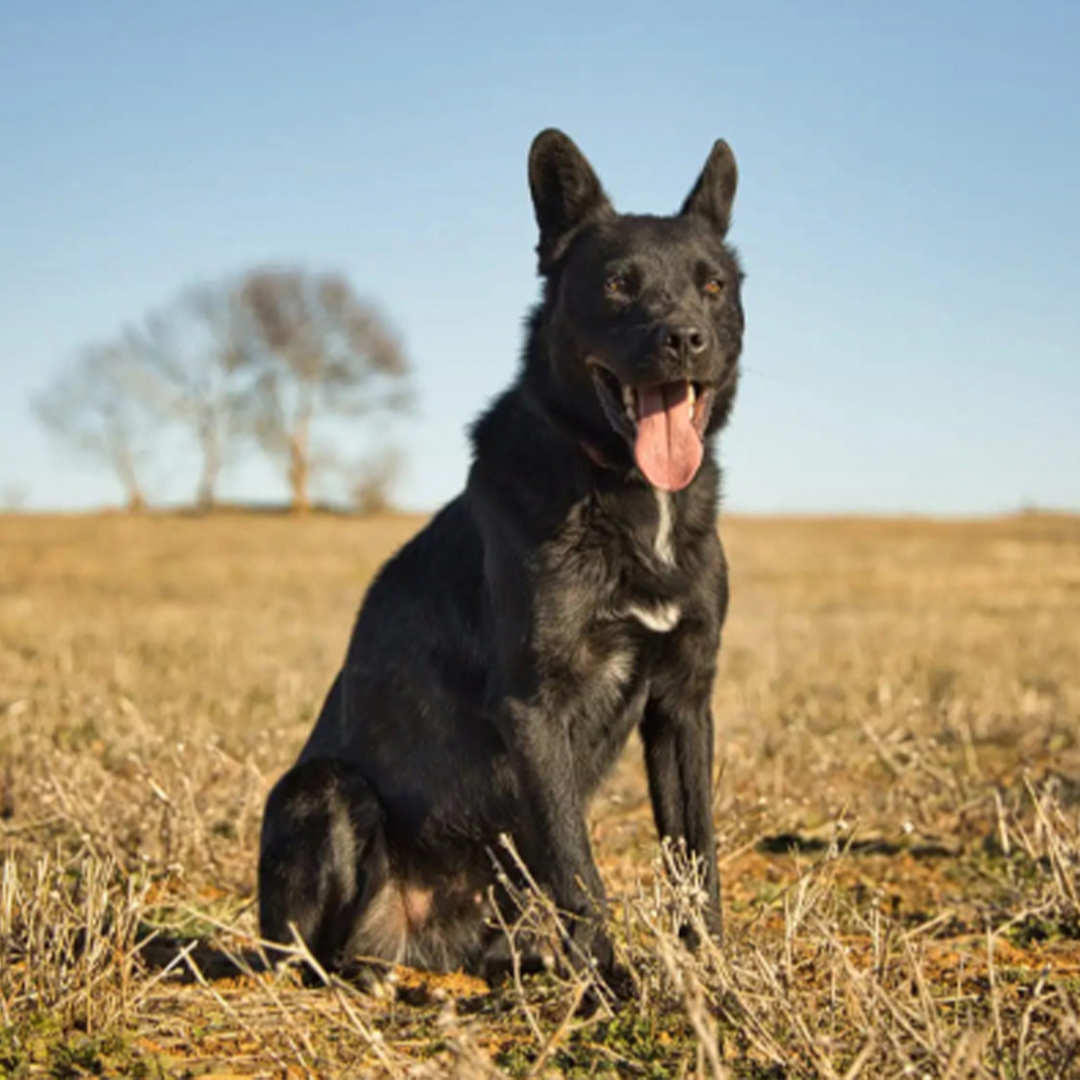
[[596, 455]]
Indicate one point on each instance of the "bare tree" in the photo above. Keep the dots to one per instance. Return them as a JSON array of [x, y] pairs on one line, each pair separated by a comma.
[[314, 350], [373, 480], [94, 405], [13, 496], [189, 355]]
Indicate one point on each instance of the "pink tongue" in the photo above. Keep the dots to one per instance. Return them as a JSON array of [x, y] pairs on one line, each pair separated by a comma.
[[668, 450]]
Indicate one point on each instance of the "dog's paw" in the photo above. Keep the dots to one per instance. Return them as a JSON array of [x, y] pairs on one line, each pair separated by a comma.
[[591, 949], [690, 933], [500, 959], [619, 982], [612, 986]]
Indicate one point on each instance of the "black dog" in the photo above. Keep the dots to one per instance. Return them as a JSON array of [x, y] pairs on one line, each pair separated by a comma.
[[575, 590]]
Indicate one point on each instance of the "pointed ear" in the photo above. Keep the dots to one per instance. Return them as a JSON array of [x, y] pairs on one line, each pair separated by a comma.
[[565, 192], [714, 191]]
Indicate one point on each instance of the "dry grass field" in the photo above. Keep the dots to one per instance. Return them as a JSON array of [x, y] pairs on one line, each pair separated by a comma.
[[898, 809]]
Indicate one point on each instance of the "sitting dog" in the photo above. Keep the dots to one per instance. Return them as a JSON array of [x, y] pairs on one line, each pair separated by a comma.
[[574, 591]]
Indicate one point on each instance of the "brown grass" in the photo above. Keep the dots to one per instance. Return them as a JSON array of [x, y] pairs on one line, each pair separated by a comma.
[[898, 808]]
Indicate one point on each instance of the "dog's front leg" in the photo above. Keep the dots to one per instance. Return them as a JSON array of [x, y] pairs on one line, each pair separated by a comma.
[[552, 831], [677, 731]]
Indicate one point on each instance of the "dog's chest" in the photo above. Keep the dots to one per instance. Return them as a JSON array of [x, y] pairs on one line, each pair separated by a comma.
[[653, 556], [663, 534], [610, 591]]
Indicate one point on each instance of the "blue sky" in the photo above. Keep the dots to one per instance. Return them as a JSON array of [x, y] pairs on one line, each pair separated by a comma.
[[908, 215]]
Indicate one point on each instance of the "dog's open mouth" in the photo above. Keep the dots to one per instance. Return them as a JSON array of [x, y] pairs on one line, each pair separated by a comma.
[[663, 423]]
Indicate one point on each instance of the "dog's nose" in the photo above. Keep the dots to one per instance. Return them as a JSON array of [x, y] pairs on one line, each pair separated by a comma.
[[681, 341]]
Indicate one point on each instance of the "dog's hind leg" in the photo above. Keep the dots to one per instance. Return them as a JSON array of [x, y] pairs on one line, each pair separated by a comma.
[[322, 857]]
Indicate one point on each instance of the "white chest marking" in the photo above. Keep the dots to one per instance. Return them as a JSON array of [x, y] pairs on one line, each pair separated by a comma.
[[662, 544], [659, 619]]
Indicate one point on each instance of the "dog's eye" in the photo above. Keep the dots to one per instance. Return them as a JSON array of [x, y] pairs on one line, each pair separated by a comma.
[[616, 286], [713, 287]]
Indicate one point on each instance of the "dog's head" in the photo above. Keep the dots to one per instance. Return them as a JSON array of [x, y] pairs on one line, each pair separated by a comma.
[[641, 323]]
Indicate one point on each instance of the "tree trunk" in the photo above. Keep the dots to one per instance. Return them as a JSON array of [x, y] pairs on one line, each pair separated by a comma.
[[299, 472], [124, 461], [206, 498]]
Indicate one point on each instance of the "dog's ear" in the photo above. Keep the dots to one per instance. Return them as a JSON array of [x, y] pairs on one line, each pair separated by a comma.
[[714, 191], [565, 192]]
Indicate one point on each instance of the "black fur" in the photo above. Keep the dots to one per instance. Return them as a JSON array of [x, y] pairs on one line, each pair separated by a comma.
[[501, 659]]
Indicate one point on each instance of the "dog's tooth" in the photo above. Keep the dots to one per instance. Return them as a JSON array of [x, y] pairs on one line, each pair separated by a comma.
[[692, 396], [628, 397]]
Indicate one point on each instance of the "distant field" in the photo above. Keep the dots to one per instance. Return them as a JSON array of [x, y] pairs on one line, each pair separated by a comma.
[[898, 808]]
